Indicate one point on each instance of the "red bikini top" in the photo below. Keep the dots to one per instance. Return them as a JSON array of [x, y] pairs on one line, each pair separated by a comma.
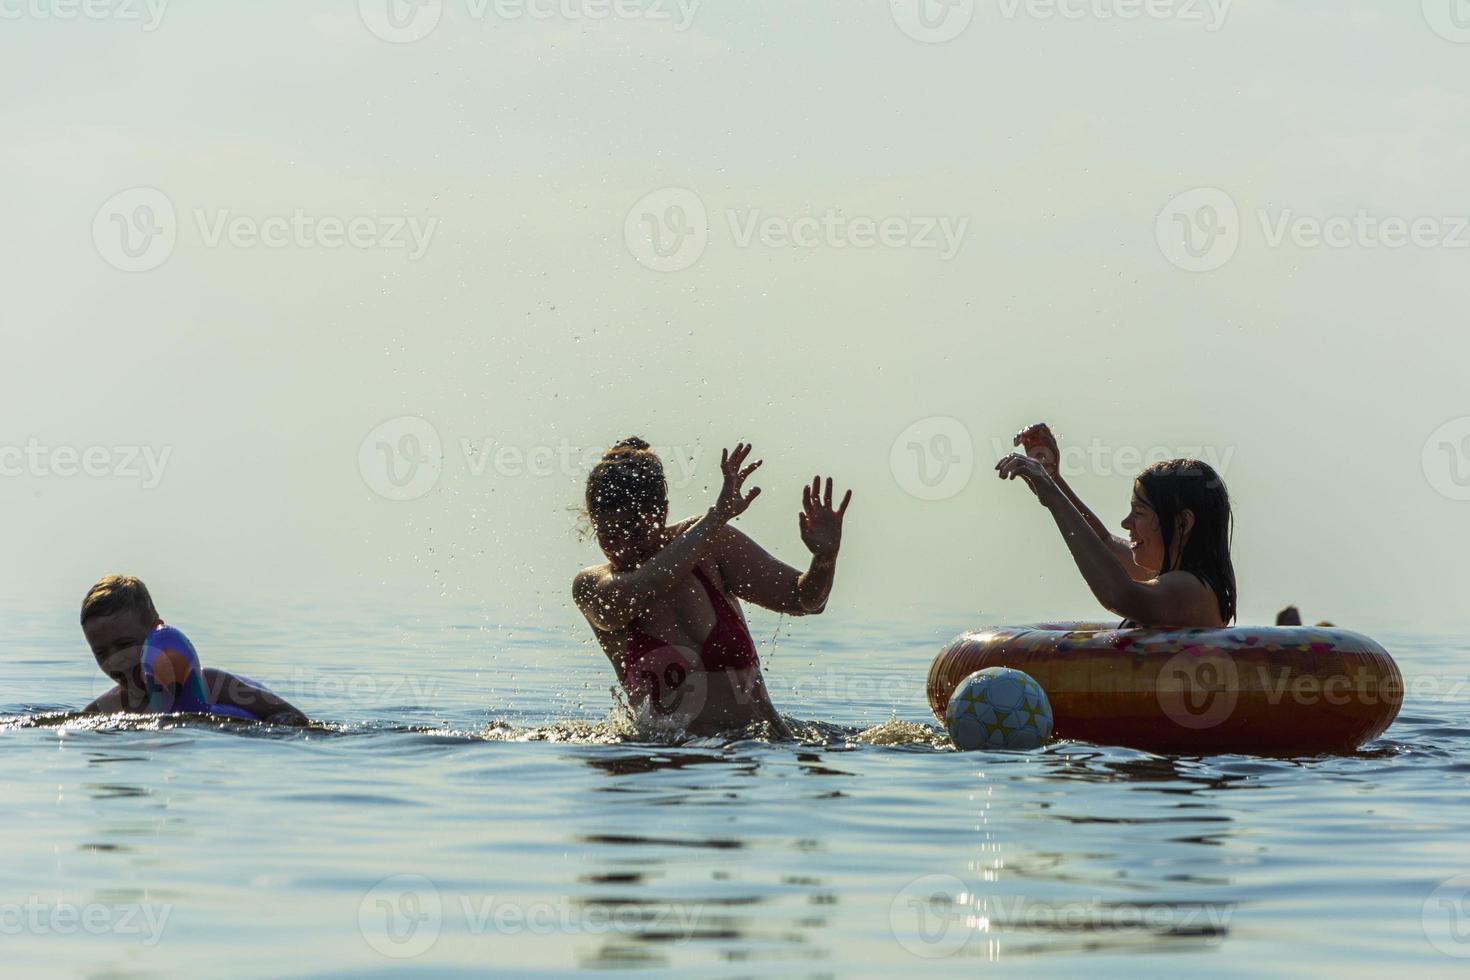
[[728, 647]]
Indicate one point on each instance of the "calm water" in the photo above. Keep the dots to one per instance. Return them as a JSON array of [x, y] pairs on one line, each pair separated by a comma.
[[471, 808]]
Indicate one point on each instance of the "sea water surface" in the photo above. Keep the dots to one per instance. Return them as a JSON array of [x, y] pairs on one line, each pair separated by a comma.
[[473, 804]]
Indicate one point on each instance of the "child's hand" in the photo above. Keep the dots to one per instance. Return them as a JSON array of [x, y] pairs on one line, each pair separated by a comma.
[[1037, 442], [1016, 466]]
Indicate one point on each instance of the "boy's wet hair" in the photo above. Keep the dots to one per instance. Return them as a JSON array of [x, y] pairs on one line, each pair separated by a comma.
[[118, 593], [630, 477]]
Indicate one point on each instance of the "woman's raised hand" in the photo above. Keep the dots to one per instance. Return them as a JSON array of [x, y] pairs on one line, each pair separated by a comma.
[[732, 502], [821, 525], [1032, 471], [1037, 442]]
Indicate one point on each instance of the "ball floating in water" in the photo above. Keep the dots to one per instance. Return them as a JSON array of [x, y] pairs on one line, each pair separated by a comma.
[[998, 708]]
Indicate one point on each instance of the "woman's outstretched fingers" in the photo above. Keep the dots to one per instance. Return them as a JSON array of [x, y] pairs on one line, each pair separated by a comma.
[[732, 459]]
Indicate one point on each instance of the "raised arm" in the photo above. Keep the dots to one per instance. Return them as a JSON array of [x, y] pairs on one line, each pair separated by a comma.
[[1175, 599], [1037, 442], [758, 577], [611, 599]]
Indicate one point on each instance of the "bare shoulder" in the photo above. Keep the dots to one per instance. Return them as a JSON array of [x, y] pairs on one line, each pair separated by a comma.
[[1187, 591], [587, 579], [591, 573], [679, 527], [108, 704]]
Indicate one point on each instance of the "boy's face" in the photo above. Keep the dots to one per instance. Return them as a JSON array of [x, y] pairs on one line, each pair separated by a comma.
[[117, 643]]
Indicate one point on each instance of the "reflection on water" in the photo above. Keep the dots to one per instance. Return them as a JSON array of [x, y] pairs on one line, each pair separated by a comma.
[[524, 836]]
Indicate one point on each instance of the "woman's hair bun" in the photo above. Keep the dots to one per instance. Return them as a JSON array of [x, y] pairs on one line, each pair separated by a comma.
[[632, 444], [629, 478]]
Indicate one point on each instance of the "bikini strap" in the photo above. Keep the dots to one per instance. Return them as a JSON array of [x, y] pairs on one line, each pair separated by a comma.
[[716, 597]]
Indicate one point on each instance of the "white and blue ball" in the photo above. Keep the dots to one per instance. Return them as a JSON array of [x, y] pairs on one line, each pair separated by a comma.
[[998, 708]]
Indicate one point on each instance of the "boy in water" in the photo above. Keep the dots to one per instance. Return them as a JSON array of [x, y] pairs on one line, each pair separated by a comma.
[[117, 616]]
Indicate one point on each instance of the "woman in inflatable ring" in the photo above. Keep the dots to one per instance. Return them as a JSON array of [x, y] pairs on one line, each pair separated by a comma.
[[1174, 569], [664, 606]]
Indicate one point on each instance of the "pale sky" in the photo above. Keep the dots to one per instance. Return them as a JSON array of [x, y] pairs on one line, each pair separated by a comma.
[[984, 240]]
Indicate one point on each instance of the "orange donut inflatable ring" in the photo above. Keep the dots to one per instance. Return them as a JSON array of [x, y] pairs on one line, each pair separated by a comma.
[[1268, 691]]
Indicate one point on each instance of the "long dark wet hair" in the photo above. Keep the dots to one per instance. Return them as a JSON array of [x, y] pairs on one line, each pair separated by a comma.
[[1177, 485]]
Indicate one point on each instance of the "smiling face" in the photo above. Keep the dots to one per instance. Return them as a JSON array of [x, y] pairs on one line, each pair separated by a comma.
[[1145, 539], [117, 644], [1146, 536]]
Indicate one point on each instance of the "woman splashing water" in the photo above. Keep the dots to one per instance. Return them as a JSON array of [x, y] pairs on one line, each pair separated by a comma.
[[664, 606], [1174, 569]]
